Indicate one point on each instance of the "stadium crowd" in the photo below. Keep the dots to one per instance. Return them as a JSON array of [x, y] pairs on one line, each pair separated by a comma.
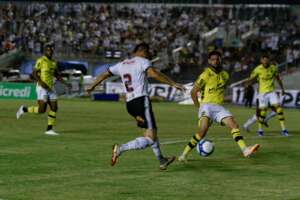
[[90, 29]]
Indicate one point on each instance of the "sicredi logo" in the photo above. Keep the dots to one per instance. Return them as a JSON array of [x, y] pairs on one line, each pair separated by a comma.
[[13, 92]]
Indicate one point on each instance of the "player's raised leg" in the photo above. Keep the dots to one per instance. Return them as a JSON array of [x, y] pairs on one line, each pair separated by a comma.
[[236, 134], [41, 108], [136, 144], [140, 143]]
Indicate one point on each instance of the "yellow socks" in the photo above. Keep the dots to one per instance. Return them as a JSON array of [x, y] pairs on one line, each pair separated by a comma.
[[236, 134], [280, 115], [261, 119], [193, 142], [51, 118], [33, 109]]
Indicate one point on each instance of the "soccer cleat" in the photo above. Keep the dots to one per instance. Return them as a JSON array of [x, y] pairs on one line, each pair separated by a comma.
[[285, 132], [182, 158], [250, 150], [51, 132], [246, 128], [166, 162], [115, 154], [260, 133], [20, 112]]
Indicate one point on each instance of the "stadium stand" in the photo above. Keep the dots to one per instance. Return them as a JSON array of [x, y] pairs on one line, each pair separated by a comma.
[[90, 30]]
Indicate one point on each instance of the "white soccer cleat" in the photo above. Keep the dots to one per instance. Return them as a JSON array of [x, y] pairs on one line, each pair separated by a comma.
[[250, 150], [51, 132], [20, 112]]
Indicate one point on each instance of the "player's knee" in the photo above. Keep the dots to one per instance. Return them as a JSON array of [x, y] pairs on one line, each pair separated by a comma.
[[201, 134], [233, 125], [150, 141], [204, 123], [273, 108], [263, 112], [42, 109], [279, 110], [151, 133], [54, 108]]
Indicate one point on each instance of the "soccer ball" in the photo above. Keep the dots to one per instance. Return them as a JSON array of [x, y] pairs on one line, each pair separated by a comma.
[[205, 147]]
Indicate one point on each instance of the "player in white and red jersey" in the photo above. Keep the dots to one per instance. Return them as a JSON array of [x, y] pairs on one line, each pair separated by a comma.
[[134, 73]]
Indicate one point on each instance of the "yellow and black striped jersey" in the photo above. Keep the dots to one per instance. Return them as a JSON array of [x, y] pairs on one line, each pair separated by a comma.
[[46, 70], [212, 85], [265, 77]]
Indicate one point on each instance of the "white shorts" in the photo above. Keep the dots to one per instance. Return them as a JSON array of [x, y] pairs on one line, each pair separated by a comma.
[[213, 111], [45, 95], [268, 98]]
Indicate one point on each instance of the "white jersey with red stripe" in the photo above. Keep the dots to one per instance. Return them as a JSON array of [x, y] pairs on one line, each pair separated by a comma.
[[133, 73]]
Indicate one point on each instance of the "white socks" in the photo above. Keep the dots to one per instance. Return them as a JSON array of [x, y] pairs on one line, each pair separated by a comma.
[[251, 121], [142, 143], [156, 150], [136, 144], [270, 116]]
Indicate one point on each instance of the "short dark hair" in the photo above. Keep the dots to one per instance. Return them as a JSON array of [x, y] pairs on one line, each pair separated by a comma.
[[49, 45], [212, 53], [142, 46], [265, 55]]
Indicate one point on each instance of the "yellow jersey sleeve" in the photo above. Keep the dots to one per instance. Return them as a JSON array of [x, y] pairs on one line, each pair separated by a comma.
[[254, 74], [226, 77], [38, 64], [275, 70], [202, 79]]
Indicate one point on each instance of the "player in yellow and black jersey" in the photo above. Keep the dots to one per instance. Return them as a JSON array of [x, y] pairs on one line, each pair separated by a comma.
[[45, 71], [211, 86], [266, 74]]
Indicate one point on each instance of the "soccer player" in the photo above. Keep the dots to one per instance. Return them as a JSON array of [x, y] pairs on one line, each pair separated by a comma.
[[44, 72], [211, 86], [265, 74], [134, 72]]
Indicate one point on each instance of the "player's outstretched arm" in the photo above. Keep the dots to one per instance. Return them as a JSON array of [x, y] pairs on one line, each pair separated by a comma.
[[99, 80], [153, 73], [59, 77], [279, 80], [194, 95], [249, 81]]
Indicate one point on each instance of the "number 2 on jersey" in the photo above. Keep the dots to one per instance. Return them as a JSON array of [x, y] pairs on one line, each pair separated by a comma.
[[128, 82]]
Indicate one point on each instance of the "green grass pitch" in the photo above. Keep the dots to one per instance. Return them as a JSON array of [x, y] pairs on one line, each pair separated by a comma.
[[76, 164]]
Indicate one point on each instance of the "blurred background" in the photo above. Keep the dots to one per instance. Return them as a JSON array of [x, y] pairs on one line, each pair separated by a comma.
[[91, 36]]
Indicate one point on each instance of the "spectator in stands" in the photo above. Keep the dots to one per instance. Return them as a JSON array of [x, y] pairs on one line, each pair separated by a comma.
[[90, 29]]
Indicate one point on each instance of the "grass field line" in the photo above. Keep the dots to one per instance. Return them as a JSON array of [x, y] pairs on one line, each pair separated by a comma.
[[227, 139]]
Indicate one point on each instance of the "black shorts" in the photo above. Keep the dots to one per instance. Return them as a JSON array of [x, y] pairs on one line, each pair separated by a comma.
[[141, 109]]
